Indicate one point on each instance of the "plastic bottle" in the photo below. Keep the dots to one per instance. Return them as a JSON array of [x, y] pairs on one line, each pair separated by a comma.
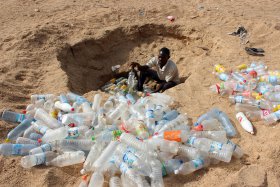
[[239, 107], [245, 123], [272, 96], [86, 107], [222, 76], [28, 131], [15, 149], [96, 102], [257, 115], [238, 77], [272, 118], [229, 128], [156, 177], [109, 104], [21, 140], [57, 134], [79, 144], [189, 152], [44, 116], [209, 125], [94, 153], [219, 136], [43, 148], [37, 159], [39, 127], [18, 130], [67, 159], [13, 117], [170, 166], [193, 165], [219, 68], [46, 97], [173, 114], [174, 135], [66, 107], [214, 149], [140, 129], [115, 114], [107, 136], [79, 119], [237, 151], [76, 98], [96, 180], [105, 155], [150, 116], [115, 182], [181, 119]]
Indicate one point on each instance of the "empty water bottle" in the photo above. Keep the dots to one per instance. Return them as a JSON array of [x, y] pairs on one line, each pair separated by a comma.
[[37, 159], [18, 130], [15, 149], [67, 159], [193, 165]]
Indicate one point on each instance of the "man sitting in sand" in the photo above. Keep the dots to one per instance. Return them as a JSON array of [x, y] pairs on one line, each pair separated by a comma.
[[165, 73]]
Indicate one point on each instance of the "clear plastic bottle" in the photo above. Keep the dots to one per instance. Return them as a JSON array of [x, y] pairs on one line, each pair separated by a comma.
[[130, 98], [239, 107], [43, 148], [189, 152], [193, 165], [170, 166], [46, 97], [272, 96], [209, 125], [76, 98], [67, 159], [94, 153], [37, 159], [229, 128], [21, 140], [257, 115], [86, 107], [156, 176], [96, 102], [39, 127], [79, 144], [96, 180], [42, 115], [237, 151], [28, 131], [107, 136], [115, 114], [238, 77], [150, 116], [214, 149], [105, 155], [174, 135], [219, 136], [19, 130], [272, 118], [13, 117], [56, 134], [16, 149], [115, 182], [84, 182], [181, 119], [109, 104]]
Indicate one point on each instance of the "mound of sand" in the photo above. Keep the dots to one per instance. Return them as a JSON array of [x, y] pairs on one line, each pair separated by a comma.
[[54, 46]]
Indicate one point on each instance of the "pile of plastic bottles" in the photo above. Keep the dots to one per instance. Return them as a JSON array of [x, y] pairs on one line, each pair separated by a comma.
[[253, 89], [134, 142]]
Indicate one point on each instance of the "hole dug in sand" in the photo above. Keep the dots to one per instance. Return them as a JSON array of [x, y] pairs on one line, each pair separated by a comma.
[[88, 63]]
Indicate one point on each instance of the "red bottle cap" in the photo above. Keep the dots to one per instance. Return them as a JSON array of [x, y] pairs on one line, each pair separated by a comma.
[[198, 128]]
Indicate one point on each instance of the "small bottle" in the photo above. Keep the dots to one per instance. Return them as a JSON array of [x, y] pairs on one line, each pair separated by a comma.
[[272, 118], [13, 117], [18, 130], [245, 123], [209, 125], [96, 102], [44, 116], [37, 159], [57, 134], [35, 136], [66, 107], [21, 140], [96, 180], [43, 148]]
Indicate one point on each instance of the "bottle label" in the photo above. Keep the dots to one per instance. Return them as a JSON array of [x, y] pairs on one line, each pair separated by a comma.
[[16, 149], [20, 117], [238, 99], [215, 146], [40, 158], [172, 135], [129, 158], [46, 147], [164, 172], [150, 114], [43, 129], [191, 140], [198, 163], [73, 132], [63, 99], [41, 97], [265, 112]]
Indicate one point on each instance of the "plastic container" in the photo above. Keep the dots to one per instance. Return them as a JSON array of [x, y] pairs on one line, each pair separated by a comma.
[[67, 159], [244, 122], [37, 159], [96, 180], [192, 166], [19, 130], [96, 102], [13, 117], [42, 115], [43, 148], [16, 149], [66, 107]]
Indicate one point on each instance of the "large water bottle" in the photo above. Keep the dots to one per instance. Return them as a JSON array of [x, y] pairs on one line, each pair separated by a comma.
[[37, 159], [67, 159], [214, 149], [257, 115], [66, 107], [219, 136], [164, 145], [13, 117], [16, 149], [229, 128], [156, 177], [18, 130], [209, 125], [42, 115], [107, 136], [35, 136], [46, 97], [239, 107], [43, 148], [57, 134], [237, 151], [193, 165], [181, 119]]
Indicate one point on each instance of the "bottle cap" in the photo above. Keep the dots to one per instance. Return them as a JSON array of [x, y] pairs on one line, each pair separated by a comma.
[[39, 140], [24, 111], [198, 127], [84, 177], [92, 138], [72, 109], [253, 73], [7, 140]]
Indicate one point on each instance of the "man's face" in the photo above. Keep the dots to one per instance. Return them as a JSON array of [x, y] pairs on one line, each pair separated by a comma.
[[162, 59]]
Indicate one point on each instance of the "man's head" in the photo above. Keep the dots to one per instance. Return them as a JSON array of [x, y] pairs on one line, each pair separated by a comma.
[[163, 56]]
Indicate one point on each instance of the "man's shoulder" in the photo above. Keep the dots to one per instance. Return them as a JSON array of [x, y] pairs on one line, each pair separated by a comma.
[[171, 63]]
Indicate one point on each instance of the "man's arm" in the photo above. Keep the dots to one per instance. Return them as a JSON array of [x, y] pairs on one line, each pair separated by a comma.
[[139, 67]]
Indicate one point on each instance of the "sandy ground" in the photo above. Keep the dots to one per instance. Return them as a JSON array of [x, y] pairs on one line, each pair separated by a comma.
[[52, 46]]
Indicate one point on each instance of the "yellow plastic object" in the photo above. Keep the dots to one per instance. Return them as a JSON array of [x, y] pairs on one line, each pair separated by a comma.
[[54, 113], [276, 108], [242, 66], [113, 80], [259, 97], [219, 68]]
